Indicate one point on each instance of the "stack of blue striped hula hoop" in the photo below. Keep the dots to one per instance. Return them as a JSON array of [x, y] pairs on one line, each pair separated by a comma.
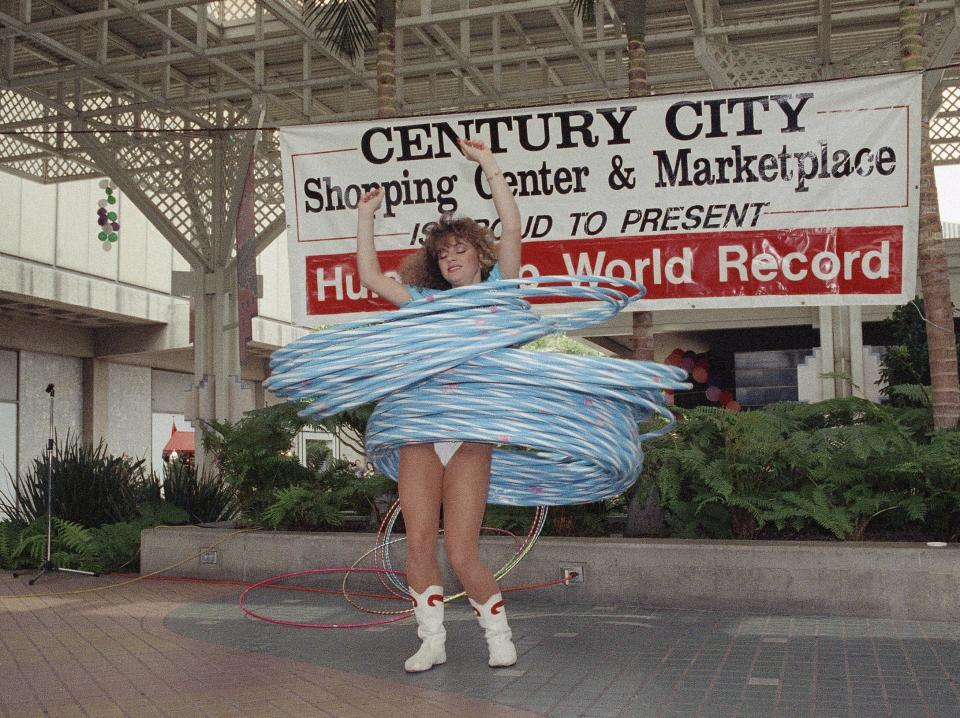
[[565, 429]]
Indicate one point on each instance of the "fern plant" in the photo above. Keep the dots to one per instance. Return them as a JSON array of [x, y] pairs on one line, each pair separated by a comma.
[[302, 508], [720, 473], [71, 545]]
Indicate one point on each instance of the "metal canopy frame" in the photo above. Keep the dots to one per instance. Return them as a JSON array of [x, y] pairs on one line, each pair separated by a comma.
[[143, 71], [166, 96]]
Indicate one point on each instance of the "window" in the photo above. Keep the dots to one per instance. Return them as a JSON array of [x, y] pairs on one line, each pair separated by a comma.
[[308, 441], [768, 377]]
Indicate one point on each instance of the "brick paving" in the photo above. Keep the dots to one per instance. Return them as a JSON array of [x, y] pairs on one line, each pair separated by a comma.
[[110, 654], [165, 648]]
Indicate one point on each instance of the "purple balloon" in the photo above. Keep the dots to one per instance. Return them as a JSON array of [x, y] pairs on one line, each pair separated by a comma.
[[102, 212], [116, 226], [101, 221]]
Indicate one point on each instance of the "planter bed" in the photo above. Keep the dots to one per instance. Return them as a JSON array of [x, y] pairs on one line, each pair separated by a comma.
[[872, 580]]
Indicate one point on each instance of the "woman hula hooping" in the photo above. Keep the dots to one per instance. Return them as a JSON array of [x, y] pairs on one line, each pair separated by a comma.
[[452, 474]]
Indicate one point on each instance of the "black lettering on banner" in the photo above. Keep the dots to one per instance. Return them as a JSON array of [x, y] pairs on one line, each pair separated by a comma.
[[801, 168]]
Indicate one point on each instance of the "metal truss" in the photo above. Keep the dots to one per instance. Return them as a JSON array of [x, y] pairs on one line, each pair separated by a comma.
[[147, 90]]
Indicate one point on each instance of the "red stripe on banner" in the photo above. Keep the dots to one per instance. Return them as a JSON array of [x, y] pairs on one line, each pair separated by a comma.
[[830, 261]]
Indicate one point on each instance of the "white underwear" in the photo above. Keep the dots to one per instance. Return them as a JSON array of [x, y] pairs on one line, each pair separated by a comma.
[[446, 449]]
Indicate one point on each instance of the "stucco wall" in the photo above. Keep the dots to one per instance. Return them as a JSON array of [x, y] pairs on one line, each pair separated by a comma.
[[36, 372]]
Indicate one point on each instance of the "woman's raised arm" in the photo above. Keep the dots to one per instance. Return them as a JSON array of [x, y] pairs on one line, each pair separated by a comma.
[[367, 263], [508, 250]]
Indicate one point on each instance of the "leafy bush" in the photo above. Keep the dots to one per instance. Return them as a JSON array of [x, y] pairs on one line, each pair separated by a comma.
[[302, 508], [90, 486], [318, 504], [25, 545], [906, 360], [841, 465], [205, 497], [938, 465], [253, 456], [110, 547], [116, 547]]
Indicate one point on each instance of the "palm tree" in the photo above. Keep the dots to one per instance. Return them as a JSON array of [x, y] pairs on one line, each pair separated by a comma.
[[642, 518], [931, 255], [343, 25]]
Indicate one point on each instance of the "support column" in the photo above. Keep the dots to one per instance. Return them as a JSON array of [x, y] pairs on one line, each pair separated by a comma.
[[841, 345], [95, 401]]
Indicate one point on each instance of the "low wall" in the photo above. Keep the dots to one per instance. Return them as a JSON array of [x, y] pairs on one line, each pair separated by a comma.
[[906, 581]]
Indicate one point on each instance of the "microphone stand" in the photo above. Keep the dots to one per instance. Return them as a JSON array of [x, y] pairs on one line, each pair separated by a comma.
[[48, 566]]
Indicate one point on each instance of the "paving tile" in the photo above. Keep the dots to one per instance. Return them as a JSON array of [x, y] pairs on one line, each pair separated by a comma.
[[161, 648]]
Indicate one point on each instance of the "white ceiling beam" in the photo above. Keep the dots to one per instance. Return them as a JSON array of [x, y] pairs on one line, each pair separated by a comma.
[[941, 55], [538, 54], [168, 32], [577, 44], [293, 21], [80, 59], [824, 33], [479, 85], [695, 11], [94, 16]]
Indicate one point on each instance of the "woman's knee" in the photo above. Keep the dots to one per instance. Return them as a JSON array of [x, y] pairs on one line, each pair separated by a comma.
[[462, 559], [421, 544]]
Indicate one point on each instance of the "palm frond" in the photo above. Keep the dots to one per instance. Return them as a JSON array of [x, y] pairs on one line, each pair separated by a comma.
[[344, 25], [586, 9]]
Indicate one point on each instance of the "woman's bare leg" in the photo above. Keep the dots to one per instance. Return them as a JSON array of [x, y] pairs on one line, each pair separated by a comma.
[[465, 483], [419, 485]]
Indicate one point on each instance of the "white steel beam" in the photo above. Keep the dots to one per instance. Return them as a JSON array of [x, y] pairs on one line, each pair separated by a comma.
[[577, 44], [824, 33]]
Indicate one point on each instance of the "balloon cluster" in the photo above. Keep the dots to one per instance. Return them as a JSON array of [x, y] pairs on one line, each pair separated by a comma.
[[109, 227], [698, 366]]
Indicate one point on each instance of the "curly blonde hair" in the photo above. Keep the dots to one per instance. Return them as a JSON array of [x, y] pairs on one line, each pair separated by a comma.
[[421, 268]]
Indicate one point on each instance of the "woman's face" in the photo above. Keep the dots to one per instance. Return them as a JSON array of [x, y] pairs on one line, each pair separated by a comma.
[[459, 262]]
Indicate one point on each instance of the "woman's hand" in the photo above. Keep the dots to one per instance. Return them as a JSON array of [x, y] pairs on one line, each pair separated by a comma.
[[370, 202], [474, 150]]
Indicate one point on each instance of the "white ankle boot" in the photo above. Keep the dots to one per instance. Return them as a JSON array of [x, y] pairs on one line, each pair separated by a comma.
[[428, 610], [493, 621]]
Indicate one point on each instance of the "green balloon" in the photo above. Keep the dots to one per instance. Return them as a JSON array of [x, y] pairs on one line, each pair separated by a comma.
[[111, 199], [102, 236], [112, 216], [108, 190], [112, 236]]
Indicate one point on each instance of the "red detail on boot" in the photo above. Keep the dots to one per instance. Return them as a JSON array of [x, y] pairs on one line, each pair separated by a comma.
[[476, 611], [495, 608], [415, 604], [434, 597]]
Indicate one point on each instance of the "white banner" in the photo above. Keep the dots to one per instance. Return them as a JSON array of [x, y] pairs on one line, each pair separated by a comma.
[[770, 196]]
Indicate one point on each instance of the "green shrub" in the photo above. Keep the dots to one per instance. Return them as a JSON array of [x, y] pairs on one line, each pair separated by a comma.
[[939, 471], [25, 546], [90, 486], [116, 547], [302, 508], [720, 472], [253, 456], [842, 466], [205, 498], [318, 504], [906, 360], [110, 547]]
